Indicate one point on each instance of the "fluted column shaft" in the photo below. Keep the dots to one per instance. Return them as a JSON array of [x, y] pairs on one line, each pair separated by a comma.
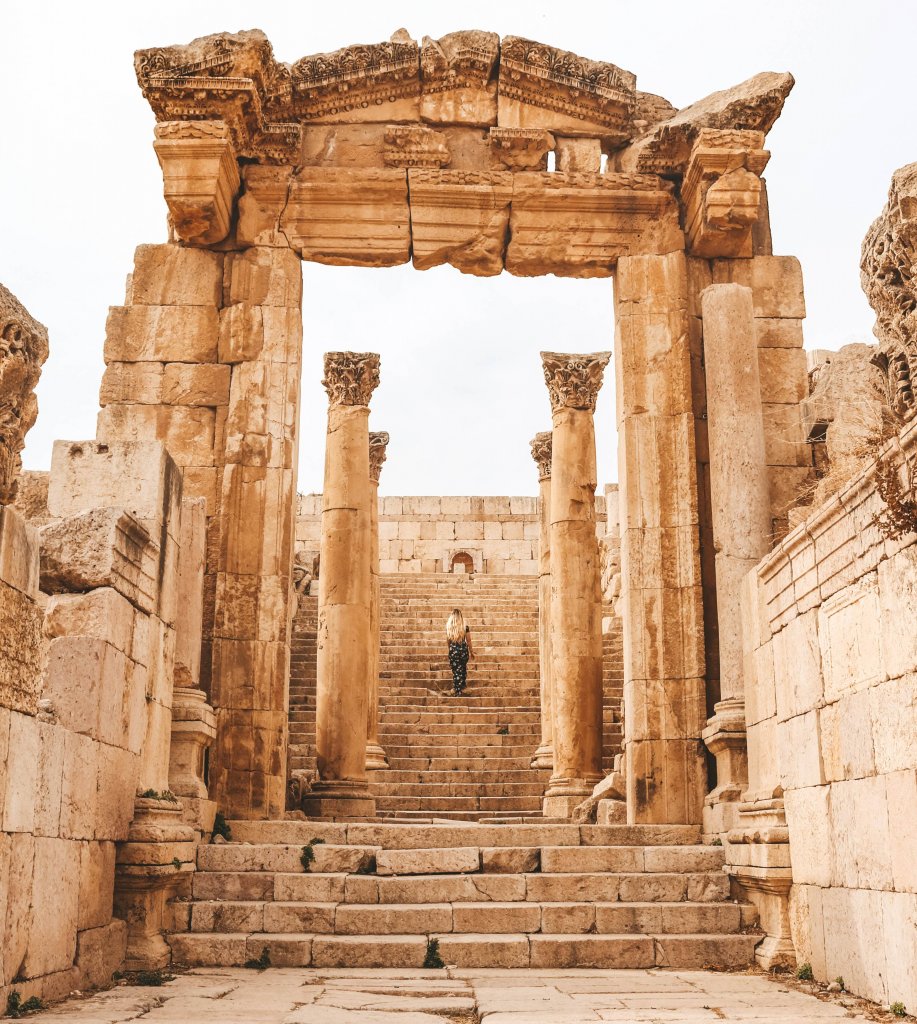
[[575, 616], [345, 592], [375, 753], [541, 453]]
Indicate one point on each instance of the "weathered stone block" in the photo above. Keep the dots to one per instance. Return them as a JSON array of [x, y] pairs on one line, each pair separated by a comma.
[[138, 383], [778, 332], [263, 276], [100, 952], [102, 613], [96, 884], [186, 432], [176, 275], [158, 334], [22, 652], [52, 935], [18, 553], [204, 384], [23, 774], [784, 377]]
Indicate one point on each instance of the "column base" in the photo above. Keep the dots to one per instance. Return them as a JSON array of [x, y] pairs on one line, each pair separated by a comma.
[[376, 759], [337, 798], [543, 757], [563, 796], [725, 738]]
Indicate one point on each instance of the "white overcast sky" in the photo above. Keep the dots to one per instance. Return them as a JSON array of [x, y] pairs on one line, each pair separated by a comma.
[[461, 390]]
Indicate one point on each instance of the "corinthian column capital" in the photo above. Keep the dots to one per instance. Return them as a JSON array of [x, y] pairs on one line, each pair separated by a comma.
[[350, 377], [541, 452], [574, 379], [378, 442]]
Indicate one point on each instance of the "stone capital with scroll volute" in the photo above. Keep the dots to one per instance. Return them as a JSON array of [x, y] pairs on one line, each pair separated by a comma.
[[378, 442], [350, 377], [541, 452], [574, 379]]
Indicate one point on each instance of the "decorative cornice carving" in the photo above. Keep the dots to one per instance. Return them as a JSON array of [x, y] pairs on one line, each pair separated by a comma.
[[232, 77], [355, 78], [574, 379], [350, 377], [544, 76], [541, 452], [460, 60], [888, 274], [378, 443], [520, 149], [414, 145], [23, 350]]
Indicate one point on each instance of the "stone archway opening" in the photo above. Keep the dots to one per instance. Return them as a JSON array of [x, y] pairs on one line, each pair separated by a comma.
[[461, 562], [438, 154]]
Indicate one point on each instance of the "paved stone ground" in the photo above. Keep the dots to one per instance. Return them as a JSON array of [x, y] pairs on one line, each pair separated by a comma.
[[305, 996]]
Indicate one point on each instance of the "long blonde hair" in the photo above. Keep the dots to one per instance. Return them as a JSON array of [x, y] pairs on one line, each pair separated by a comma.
[[455, 627]]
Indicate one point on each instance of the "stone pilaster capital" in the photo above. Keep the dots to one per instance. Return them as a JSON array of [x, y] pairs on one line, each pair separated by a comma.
[[574, 379], [378, 442], [541, 452], [350, 377]]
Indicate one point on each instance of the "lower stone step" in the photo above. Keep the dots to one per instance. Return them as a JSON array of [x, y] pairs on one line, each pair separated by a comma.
[[632, 952]]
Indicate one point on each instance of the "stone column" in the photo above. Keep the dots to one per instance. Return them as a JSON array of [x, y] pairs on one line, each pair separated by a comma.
[[576, 626], [664, 683], [741, 520], [541, 453], [375, 754], [345, 592]]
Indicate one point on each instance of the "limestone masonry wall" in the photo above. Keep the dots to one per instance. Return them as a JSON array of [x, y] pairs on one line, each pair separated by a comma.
[[831, 707], [423, 533]]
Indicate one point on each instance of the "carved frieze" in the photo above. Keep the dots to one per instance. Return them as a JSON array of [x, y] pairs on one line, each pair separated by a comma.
[[350, 377], [722, 192], [574, 379], [23, 350], [414, 145], [888, 274], [358, 83], [520, 149], [542, 86], [541, 452], [378, 443]]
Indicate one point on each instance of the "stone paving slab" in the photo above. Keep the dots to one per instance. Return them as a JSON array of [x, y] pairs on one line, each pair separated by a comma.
[[470, 996]]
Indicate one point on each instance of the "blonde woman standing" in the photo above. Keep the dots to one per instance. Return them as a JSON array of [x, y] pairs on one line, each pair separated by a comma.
[[458, 637]]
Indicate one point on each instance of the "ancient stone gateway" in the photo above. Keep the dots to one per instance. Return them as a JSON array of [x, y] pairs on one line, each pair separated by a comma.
[[438, 153]]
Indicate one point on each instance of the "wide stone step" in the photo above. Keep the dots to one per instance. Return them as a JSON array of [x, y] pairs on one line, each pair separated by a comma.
[[477, 777], [433, 804], [493, 916], [466, 950], [247, 835]]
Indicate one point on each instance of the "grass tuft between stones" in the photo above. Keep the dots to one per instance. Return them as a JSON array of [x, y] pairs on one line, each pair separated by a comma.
[[308, 853], [262, 963], [898, 1009], [221, 827], [433, 960], [16, 1008], [804, 972]]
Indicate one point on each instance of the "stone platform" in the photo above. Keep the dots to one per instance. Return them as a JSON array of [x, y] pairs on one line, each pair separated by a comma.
[[294, 996]]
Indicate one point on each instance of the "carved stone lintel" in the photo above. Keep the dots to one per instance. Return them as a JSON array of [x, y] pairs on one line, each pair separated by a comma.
[[414, 145], [889, 279], [541, 452], [458, 79], [23, 350], [350, 377], [378, 442], [200, 178], [722, 192], [574, 380]]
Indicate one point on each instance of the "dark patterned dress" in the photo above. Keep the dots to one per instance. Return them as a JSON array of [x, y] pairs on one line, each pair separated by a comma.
[[458, 662]]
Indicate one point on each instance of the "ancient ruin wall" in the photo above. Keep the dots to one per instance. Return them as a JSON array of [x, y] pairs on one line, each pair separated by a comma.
[[831, 679], [424, 533]]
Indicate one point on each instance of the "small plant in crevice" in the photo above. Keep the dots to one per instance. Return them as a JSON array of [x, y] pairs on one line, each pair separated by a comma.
[[308, 853], [221, 827], [155, 794], [433, 960], [839, 980], [16, 1008], [716, 842], [898, 1009], [176, 863], [503, 730], [262, 963], [804, 972], [152, 979], [900, 515]]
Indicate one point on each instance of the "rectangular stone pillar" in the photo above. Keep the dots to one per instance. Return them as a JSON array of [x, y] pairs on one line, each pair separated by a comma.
[[664, 689]]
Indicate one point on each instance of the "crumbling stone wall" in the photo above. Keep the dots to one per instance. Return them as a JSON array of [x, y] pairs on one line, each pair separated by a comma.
[[831, 706]]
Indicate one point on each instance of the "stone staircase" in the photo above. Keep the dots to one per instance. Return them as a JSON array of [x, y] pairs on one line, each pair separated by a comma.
[[388, 895], [466, 758]]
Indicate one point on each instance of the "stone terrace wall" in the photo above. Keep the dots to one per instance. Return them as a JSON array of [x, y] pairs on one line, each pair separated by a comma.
[[421, 534], [831, 703]]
